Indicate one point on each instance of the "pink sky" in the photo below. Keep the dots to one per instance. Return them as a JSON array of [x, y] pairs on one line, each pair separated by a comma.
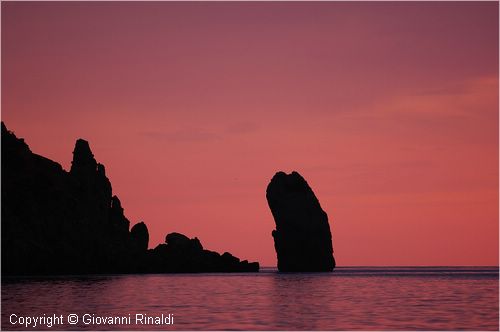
[[389, 111]]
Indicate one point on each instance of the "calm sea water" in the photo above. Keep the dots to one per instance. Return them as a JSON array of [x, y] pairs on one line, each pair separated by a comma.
[[437, 298]]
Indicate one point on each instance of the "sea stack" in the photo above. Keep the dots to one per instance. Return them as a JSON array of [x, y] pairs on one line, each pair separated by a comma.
[[302, 238]]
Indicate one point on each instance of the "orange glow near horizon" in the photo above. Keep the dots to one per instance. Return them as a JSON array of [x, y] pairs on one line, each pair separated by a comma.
[[388, 110]]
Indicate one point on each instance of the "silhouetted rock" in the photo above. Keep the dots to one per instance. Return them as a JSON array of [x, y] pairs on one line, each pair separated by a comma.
[[58, 222], [140, 236], [177, 241], [182, 254], [117, 219], [83, 159], [302, 238]]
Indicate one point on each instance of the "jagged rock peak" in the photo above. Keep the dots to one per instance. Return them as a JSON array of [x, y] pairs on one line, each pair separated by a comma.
[[83, 159]]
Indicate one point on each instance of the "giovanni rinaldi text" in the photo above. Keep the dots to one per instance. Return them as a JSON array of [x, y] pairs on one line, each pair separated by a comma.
[[90, 319]]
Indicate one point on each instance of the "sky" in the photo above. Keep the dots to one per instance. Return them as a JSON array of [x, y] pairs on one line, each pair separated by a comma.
[[388, 109]]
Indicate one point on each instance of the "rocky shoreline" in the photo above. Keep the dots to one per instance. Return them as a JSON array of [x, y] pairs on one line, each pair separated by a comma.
[[59, 222]]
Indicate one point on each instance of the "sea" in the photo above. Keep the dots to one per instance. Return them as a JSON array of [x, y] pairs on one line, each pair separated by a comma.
[[350, 298]]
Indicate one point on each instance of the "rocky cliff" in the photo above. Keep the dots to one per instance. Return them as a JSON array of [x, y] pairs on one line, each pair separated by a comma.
[[302, 238], [58, 222]]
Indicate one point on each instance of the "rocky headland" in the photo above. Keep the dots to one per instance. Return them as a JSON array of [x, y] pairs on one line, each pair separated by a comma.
[[59, 222]]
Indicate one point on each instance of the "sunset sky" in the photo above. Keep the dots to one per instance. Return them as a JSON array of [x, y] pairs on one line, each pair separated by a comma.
[[388, 110]]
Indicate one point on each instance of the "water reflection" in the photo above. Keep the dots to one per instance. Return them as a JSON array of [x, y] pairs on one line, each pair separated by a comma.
[[346, 300]]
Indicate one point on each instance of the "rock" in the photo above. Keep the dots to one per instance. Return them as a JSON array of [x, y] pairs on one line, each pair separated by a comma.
[[229, 261], [177, 240], [181, 254], [83, 159], [117, 219], [55, 221], [58, 222], [140, 236], [302, 238], [245, 266]]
